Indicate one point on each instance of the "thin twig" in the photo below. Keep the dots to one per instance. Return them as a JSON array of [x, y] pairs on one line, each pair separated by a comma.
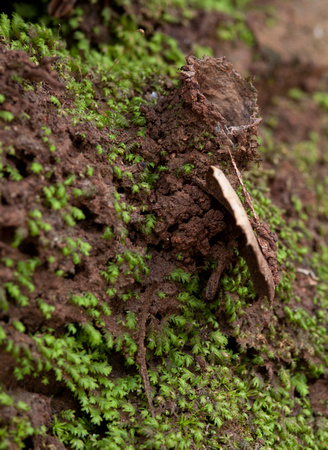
[[59, 27], [246, 194]]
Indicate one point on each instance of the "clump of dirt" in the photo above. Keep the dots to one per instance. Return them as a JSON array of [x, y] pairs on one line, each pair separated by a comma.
[[319, 397], [213, 108], [194, 128]]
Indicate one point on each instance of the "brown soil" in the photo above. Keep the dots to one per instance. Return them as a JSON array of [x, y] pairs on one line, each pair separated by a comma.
[[189, 221], [185, 127]]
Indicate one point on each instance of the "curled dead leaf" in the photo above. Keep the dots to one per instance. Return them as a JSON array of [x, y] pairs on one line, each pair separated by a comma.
[[219, 186]]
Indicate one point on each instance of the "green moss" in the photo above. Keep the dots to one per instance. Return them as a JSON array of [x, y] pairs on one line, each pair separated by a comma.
[[19, 428], [6, 116]]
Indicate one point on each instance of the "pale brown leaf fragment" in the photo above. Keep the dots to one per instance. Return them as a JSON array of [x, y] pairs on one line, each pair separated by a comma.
[[219, 186]]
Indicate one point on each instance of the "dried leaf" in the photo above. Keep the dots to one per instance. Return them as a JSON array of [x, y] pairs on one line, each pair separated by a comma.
[[218, 185]]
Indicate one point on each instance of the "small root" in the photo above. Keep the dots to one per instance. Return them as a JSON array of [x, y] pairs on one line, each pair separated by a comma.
[[141, 355]]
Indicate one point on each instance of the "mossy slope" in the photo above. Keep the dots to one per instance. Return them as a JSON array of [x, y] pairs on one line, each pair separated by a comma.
[[231, 372]]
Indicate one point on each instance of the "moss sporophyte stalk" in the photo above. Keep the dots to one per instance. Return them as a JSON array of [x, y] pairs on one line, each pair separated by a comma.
[[109, 244]]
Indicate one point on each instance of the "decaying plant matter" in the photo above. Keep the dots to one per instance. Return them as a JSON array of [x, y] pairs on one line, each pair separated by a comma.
[[60, 8], [218, 185]]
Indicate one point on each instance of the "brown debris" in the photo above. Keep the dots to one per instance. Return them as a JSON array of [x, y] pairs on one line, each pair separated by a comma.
[[212, 99], [211, 120], [19, 63], [223, 88], [214, 281], [319, 397], [60, 8], [267, 242], [220, 188], [216, 91]]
